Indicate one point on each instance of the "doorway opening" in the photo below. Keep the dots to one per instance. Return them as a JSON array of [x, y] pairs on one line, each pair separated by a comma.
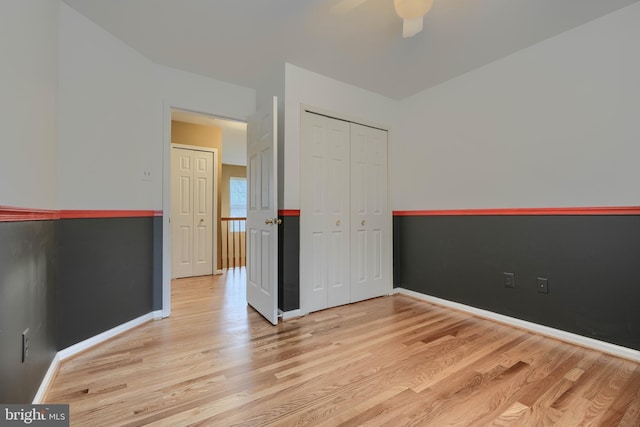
[[223, 141]]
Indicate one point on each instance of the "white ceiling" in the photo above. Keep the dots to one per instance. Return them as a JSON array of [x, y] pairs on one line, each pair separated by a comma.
[[239, 40]]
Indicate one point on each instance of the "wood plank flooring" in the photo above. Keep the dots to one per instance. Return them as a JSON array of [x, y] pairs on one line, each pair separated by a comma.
[[390, 361]]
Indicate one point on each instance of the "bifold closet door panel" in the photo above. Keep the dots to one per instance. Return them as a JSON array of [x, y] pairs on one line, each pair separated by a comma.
[[325, 215], [370, 231], [181, 213], [202, 213]]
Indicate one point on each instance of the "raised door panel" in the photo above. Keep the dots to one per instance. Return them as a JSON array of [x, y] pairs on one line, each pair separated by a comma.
[[184, 247]]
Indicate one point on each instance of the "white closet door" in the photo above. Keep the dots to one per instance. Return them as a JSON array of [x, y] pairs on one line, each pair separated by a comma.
[[369, 214], [325, 219]]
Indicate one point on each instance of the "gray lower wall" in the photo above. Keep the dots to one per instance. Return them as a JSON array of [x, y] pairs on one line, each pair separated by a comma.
[[28, 299], [69, 280], [106, 274], [289, 263], [157, 263], [64, 279], [591, 263]]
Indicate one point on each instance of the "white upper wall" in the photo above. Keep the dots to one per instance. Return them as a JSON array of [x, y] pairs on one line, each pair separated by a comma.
[[307, 88], [192, 92], [106, 119], [28, 105], [234, 143], [553, 125], [114, 117]]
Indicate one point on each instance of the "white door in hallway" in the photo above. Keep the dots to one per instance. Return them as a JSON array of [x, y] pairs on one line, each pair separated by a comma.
[[191, 212], [370, 235], [262, 211]]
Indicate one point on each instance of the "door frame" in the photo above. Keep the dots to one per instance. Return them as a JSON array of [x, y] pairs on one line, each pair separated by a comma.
[[215, 219], [358, 120], [166, 191]]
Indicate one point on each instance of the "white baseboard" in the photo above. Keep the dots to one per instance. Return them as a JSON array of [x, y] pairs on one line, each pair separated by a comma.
[[561, 335], [291, 314], [85, 345], [46, 381], [90, 342]]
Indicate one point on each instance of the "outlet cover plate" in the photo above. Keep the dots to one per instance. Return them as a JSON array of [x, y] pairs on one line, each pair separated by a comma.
[[543, 285], [509, 280]]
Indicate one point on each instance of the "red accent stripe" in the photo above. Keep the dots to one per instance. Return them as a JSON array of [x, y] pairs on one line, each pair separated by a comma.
[[289, 212], [12, 214], [612, 210], [77, 214]]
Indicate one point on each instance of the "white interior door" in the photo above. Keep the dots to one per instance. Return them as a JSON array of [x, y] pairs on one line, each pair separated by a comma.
[[370, 235], [262, 221], [191, 212], [324, 202]]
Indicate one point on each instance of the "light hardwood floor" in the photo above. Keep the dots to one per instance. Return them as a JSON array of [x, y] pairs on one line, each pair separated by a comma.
[[388, 361]]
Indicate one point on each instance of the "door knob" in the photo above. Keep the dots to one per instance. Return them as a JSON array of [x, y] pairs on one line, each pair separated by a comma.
[[268, 221], [277, 221], [362, 222], [201, 220], [338, 223]]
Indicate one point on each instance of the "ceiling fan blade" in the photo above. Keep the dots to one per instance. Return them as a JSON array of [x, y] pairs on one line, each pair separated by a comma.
[[345, 6]]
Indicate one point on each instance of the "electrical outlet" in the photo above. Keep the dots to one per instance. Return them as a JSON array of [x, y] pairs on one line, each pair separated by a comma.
[[543, 285], [25, 344], [509, 280]]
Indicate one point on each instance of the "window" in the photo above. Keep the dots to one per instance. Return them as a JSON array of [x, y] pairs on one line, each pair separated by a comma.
[[237, 202]]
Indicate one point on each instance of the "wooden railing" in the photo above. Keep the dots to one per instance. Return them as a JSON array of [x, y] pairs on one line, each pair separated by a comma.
[[234, 244]]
